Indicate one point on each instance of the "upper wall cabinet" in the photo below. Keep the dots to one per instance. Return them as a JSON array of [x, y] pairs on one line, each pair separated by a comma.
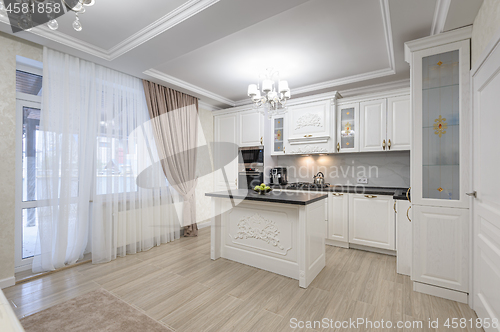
[[399, 123], [278, 131], [348, 128], [309, 122], [251, 124], [373, 121]]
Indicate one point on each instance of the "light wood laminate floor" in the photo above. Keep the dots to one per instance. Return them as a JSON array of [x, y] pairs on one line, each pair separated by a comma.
[[178, 284]]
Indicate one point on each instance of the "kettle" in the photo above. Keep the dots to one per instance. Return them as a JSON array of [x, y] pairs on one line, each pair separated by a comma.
[[319, 178]]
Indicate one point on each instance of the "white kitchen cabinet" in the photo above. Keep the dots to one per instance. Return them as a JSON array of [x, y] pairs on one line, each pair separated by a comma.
[[398, 123], [251, 128], [403, 236], [226, 155], [278, 130], [373, 122], [441, 153], [440, 247], [371, 221], [338, 218], [309, 128], [347, 128]]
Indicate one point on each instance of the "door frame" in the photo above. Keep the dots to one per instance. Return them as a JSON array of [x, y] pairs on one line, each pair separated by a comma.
[[22, 100], [489, 57]]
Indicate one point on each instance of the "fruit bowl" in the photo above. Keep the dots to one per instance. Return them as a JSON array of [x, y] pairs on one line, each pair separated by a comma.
[[262, 189]]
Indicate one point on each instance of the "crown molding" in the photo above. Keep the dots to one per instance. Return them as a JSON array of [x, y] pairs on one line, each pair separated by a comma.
[[188, 86], [437, 40], [376, 88], [440, 15], [208, 107], [178, 15]]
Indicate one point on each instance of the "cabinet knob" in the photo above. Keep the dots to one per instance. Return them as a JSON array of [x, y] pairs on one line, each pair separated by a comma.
[[338, 147], [408, 213], [383, 144]]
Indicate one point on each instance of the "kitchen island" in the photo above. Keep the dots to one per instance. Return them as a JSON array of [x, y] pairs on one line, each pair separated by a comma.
[[280, 232]]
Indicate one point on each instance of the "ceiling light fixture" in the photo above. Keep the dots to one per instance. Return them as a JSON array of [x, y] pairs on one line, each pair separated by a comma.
[[274, 96], [78, 7]]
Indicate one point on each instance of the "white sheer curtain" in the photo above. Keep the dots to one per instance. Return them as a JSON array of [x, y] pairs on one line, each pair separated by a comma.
[[132, 207], [66, 141], [97, 146]]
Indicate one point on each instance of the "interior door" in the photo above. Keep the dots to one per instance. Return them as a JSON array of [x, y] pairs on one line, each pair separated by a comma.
[[486, 207], [373, 117]]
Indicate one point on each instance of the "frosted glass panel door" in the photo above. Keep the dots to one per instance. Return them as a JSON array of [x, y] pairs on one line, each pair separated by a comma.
[[348, 128], [440, 126], [278, 135]]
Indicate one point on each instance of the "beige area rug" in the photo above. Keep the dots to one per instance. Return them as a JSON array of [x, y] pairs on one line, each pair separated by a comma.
[[95, 311]]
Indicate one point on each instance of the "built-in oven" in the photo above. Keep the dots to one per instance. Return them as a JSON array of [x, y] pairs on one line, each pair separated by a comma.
[[250, 179], [252, 156]]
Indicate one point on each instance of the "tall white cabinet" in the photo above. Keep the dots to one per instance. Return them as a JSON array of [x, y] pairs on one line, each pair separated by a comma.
[[440, 68], [226, 153]]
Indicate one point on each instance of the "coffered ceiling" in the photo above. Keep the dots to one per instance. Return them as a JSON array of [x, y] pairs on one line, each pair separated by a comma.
[[214, 48]]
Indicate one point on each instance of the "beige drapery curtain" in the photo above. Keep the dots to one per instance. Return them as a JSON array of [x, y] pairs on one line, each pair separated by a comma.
[[174, 118]]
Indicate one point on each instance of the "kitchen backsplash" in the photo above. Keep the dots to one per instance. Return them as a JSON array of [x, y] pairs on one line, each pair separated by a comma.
[[383, 169]]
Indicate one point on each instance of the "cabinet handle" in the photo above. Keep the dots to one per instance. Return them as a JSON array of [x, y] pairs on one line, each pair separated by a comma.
[[337, 194], [338, 147], [383, 144], [407, 213], [395, 207], [236, 182], [389, 144], [370, 196], [308, 135], [408, 195], [284, 150], [261, 140]]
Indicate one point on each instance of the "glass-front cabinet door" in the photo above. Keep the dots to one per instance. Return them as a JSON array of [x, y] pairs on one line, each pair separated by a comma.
[[278, 136], [441, 133], [347, 128]]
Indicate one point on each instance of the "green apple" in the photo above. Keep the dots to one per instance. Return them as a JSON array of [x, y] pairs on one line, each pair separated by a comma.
[[256, 188]]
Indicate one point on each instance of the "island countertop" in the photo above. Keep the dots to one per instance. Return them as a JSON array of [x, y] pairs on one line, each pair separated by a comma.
[[296, 198]]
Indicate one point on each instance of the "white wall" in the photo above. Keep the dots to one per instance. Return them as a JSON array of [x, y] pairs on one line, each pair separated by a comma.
[[9, 48], [204, 168], [486, 24]]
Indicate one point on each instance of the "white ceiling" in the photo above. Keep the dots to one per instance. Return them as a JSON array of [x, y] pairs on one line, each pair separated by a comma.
[[213, 49]]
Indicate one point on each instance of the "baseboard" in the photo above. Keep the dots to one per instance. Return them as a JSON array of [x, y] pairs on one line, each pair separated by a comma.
[[204, 225], [4, 283], [372, 249], [440, 292], [336, 243]]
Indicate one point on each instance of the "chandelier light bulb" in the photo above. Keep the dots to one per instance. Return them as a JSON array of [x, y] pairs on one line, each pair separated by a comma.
[[257, 96], [267, 86], [252, 90], [283, 85], [53, 25]]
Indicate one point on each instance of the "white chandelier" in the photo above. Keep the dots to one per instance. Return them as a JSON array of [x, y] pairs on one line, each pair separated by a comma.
[[78, 8], [25, 21], [274, 96]]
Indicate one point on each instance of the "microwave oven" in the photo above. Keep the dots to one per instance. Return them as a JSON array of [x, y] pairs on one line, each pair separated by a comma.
[[252, 156]]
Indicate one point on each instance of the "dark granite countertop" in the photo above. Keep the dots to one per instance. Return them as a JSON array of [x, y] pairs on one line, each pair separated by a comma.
[[272, 197], [397, 193]]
